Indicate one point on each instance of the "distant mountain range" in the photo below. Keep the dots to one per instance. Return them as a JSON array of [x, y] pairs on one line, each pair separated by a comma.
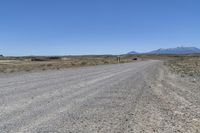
[[132, 52], [178, 50]]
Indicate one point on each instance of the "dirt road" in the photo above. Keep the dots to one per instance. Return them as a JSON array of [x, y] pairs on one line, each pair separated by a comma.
[[123, 98]]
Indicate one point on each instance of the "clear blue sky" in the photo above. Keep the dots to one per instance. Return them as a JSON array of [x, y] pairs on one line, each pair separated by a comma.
[[65, 27]]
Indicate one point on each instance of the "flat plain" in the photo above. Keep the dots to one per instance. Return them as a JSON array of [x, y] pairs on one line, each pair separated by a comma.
[[142, 96]]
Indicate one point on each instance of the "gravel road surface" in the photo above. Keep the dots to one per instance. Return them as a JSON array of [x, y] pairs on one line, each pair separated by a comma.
[[122, 98]]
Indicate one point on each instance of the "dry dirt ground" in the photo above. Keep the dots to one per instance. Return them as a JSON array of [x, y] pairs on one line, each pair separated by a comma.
[[140, 97], [41, 63]]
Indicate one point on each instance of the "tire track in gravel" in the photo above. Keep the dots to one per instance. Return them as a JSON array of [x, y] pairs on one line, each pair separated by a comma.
[[57, 94]]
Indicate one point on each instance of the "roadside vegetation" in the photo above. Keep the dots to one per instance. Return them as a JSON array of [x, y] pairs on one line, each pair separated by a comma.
[[180, 64], [31, 63], [185, 66]]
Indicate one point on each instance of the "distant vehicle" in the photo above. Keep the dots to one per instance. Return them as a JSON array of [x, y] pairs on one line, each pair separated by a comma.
[[135, 59]]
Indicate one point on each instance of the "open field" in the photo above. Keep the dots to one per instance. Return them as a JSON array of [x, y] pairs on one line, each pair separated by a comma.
[[15, 64], [34, 63], [186, 66]]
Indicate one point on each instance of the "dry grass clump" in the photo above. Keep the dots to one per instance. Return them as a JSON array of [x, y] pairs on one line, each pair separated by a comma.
[[185, 66]]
